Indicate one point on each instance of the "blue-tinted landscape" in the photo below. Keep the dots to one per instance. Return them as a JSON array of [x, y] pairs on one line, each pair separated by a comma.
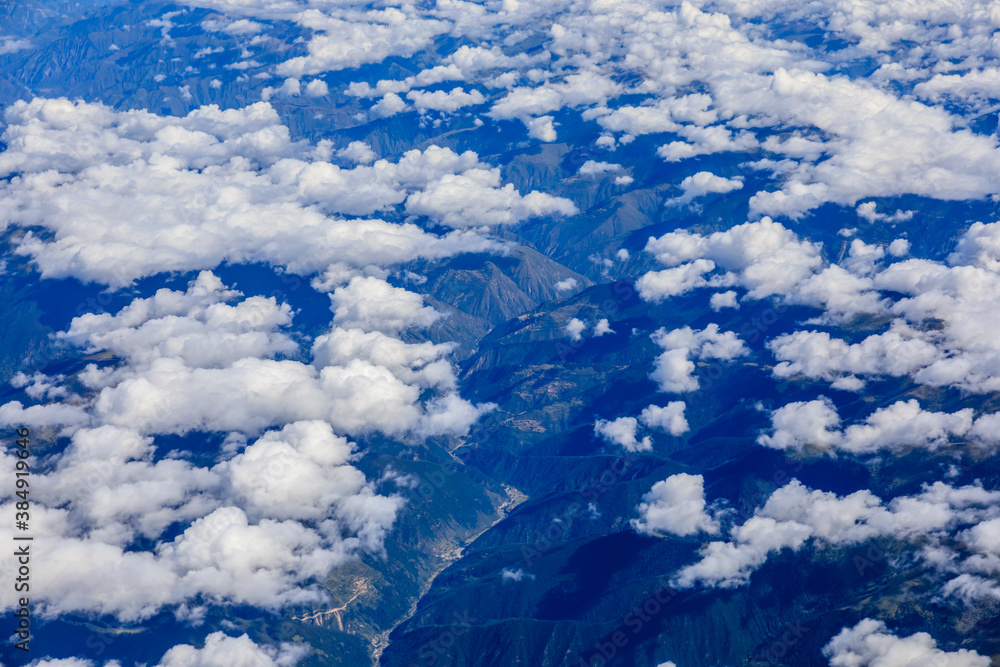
[[496, 333]]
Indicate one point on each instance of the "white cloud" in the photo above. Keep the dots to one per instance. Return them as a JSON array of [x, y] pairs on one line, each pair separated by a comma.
[[639, 120], [192, 362], [474, 199], [656, 286], [816, 354], [357, 151], [196, 326], [704, 183], [977, 83], [864, 122], [305, 467], [306, 510], [674, 371], [868, 212], [578, 89], [721, 300], [371, 304], [10, 44], [69, 662], [218, 186], [566, 285], [960, 351], [541, 128], [317, 88], [870, 644], [440, 100], [804, 422], [414, 363], [427, 77], [390, 105], [768, 258], [241, 651], [794, 514], [903, 424], [594, 168], [508, 574], [338, 44], [238, 27], [707, 343], [676, 506], [705, 141], [841, 294], [669, 418], [622, 432], [899, 248], [574, 329]]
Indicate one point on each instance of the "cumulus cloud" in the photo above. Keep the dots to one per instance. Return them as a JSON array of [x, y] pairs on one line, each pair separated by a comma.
[[765, 257], [508, 574], [10, 44], [220, 649], [532, 105], [870, 644], [225, 186], [317, 88], [793, 515], [840, 293], [904, 424], [575, 328], [191, 362], [292, 496], [425, 364], [816, 354], [196, 326], [721, 300], [655, 286], [541, 128], [959, 350], [976, 85], [674, 370], [594, 168], [338, 44], [390, 105], [676, 506], [703, 183], [705, 141], [357, 151], [474, 198], [567, 284], [868, 212], [371, 304], [669, 418], [440, 100], [602, 327], [622, 432]]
